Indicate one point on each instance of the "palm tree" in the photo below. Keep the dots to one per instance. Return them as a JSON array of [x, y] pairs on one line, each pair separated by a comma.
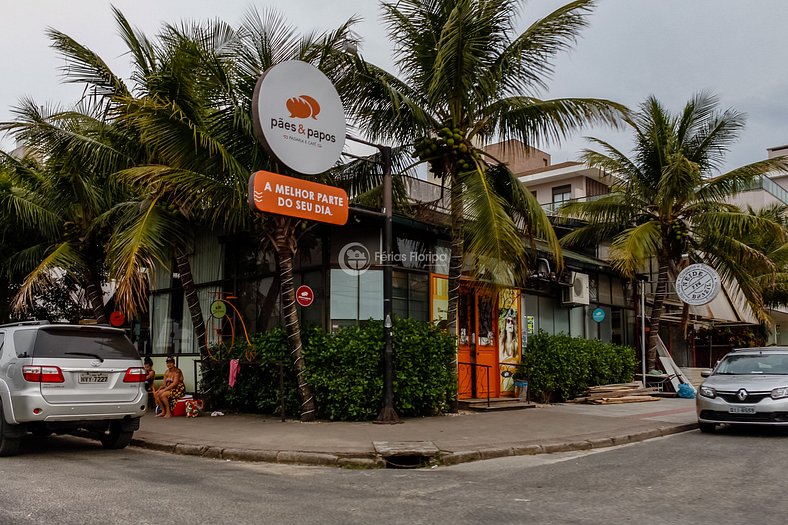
[[466, 79], [150, 228], [62, 199], [207, 149], [669, 202], [772, 278]]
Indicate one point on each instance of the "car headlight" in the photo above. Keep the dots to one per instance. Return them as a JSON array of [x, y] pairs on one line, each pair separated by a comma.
[[707, 391], [779, 393]]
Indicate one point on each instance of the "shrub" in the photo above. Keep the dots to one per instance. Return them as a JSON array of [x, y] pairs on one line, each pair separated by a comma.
[[344, 369], [560, 367], [257, 382]]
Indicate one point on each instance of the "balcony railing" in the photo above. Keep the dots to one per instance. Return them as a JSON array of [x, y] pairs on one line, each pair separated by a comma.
[[551, 208], [769, 186]]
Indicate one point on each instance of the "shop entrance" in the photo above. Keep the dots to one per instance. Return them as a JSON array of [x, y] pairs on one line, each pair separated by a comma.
[[477, 349]]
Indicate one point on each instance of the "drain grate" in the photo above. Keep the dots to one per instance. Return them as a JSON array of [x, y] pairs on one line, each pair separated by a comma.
[[406, 454]]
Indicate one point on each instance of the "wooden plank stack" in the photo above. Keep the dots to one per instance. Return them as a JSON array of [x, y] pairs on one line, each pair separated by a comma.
[[616, 394]]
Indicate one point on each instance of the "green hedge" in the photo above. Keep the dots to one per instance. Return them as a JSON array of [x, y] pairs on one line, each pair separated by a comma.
[[559, 367], [257, 382], [344, 369]]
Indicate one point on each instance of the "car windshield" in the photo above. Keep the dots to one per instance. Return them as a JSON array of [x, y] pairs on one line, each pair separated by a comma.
[[83, 343], [774, 364]]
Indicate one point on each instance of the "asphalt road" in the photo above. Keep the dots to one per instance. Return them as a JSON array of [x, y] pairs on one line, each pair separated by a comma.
[[726, 478]]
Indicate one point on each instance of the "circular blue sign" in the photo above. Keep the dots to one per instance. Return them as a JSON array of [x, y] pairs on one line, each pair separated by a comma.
[[598, 315]]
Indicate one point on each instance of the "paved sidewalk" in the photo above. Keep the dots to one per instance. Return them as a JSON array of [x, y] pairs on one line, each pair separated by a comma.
[[449, 439]]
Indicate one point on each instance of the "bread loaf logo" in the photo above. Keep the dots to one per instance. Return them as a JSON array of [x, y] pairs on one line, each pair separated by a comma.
[[303, 106]]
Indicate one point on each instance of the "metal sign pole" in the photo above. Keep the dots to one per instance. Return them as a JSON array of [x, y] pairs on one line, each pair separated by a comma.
[[643, 330], [388, 414]]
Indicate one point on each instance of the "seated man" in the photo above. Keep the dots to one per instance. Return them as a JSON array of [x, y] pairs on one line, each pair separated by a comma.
[[172, 390]]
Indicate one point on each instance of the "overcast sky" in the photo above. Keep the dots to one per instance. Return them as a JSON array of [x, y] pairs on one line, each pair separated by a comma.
[[632, 49]]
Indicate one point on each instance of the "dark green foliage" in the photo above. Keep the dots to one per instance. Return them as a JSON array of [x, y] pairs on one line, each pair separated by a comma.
[[257, 383], [345, 372], [560, 367], [423, 379], [344, 369]]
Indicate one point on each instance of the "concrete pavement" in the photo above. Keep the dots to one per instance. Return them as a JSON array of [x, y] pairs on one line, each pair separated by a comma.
[[447, 440]]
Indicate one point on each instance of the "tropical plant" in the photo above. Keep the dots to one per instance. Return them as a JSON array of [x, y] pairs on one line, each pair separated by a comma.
[[670, 204], [772, 278], [466, 78], [63, 301], [61, 199], [345, 369], [204, 144], [560, 367], [150, 229]]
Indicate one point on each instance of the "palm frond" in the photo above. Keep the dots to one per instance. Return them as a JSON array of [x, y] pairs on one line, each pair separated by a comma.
[[62, 258]]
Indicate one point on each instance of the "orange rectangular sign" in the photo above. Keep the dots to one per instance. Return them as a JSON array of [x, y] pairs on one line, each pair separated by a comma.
[[274, 193]]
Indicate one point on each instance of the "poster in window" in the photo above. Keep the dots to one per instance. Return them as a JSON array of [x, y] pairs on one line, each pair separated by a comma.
[[508, 335]]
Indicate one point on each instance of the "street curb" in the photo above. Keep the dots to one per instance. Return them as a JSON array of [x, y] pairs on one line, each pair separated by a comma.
[[373, 461], [455, 458]]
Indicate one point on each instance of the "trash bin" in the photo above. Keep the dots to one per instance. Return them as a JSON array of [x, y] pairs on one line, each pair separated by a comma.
[[521, 390]]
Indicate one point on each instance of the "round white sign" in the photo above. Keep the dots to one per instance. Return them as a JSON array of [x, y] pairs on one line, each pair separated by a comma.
[[299, 117], [697, 284]]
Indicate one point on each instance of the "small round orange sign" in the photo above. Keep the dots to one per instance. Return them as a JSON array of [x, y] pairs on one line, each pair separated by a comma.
[[117, 318]]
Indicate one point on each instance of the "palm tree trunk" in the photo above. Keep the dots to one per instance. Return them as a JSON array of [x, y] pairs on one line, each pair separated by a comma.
[[192, 301], [95, 296], [286, 247], [657, 309], [457, 254], [455, 272]]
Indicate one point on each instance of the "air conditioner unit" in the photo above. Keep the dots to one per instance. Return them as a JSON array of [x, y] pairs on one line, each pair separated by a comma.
[[578, 292]]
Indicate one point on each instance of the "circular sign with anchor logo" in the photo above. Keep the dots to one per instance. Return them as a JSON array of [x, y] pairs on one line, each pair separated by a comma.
[[698, 284]]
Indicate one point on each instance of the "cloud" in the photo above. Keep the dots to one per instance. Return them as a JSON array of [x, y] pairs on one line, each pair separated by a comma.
[[669, 48]]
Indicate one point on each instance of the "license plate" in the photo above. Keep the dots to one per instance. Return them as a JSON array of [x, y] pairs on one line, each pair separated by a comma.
[[93, 378], [741, 410]]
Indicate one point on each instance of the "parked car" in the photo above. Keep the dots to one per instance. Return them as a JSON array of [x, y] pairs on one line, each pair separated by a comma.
[[747, 386], [61, 378]]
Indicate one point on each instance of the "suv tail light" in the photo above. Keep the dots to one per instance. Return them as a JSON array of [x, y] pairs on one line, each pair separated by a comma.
[[43, 374], [135, 375]]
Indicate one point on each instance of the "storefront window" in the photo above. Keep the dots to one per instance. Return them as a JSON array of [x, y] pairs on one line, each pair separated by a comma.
[[440, 299], [604, 289], [312, 315], [356, 297], [419, 297], [441, 259], [410, 295]]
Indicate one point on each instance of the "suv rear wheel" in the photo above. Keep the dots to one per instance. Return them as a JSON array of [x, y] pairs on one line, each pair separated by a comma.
[[116, 438], [9, 437]]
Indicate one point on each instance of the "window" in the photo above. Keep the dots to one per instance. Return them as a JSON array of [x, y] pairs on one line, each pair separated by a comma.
[[562, 194], [83, 343], [410, 295], [23, 342], [356, 297]]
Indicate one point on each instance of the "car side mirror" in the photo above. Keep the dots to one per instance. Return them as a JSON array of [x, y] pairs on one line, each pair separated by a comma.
[[705, 373]]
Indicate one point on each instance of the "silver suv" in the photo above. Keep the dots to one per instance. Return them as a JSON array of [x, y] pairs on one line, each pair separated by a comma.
[[748, 386], [61, 378]]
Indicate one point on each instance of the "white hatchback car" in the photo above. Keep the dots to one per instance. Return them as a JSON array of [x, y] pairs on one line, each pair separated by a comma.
[[748, 386], [61, 378]]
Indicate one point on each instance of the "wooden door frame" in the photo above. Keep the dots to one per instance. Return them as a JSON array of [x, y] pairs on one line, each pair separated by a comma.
[[474, 294]]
